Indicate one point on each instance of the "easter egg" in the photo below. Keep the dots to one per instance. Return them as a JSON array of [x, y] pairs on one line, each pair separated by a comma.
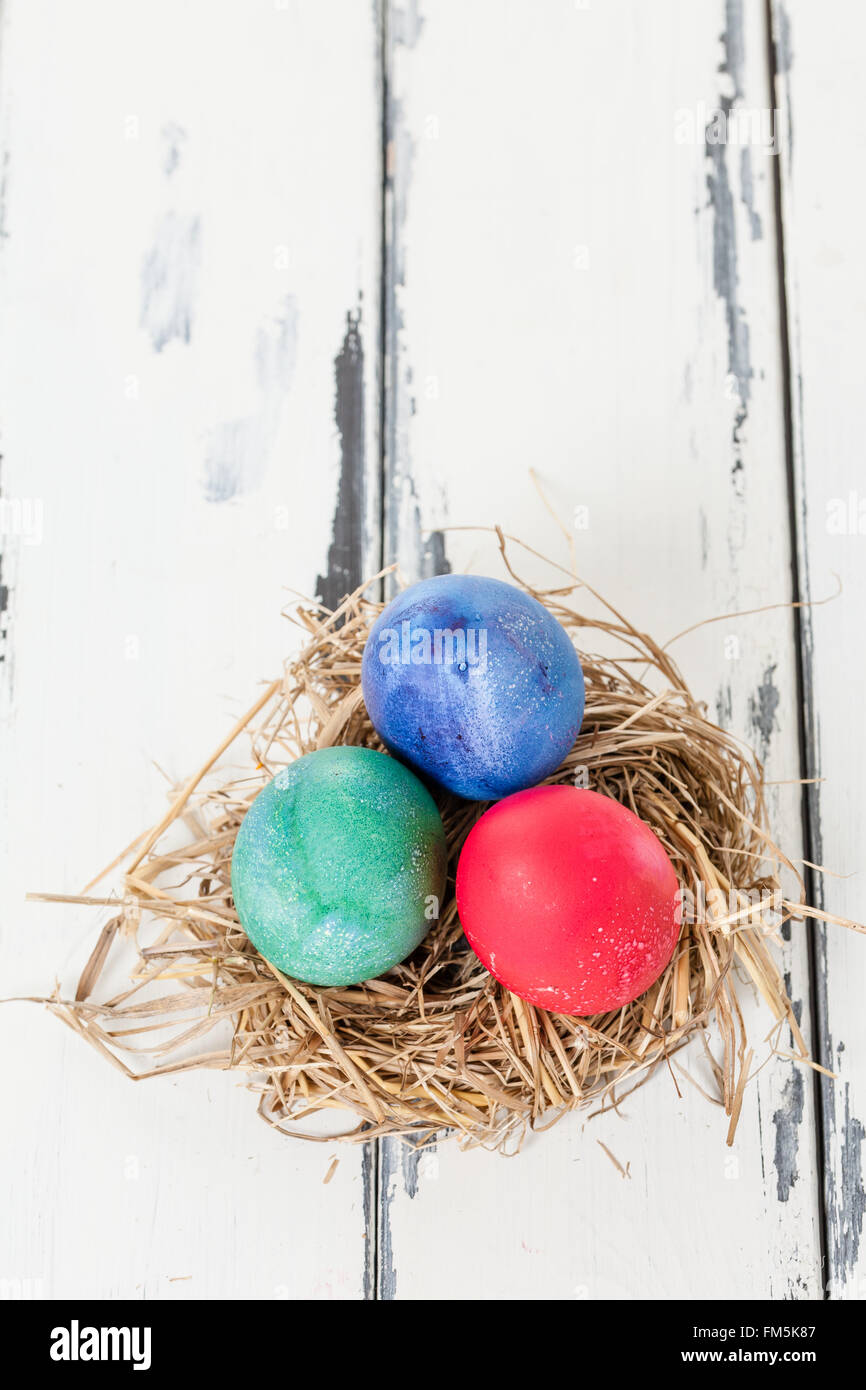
[[474, 683], [569, 899], [339, 865]]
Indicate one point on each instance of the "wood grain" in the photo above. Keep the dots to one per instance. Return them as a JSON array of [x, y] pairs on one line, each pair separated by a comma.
[[583, 285], [822, 128], [190, 291]]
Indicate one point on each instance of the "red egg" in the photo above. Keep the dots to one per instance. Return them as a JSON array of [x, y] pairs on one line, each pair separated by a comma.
[[569, 899]]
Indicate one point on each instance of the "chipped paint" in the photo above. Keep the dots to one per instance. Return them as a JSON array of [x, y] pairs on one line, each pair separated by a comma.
[[784, 48], [400, 405], [420, 554], [169, 280], [783, 58], [734, 41], [346, 552], [787, 1120], [237, 451], [401, 1164], [796, 1004], [433, 557], [369, 1183], [844, 1192], [747, 193], [724, 706], [721, 200], [390, 1163], [725, 279], [849, 1205], [409, 1161], [762, 710]]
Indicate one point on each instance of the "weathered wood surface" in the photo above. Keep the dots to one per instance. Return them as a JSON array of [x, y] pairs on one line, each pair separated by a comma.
[[822, 138], [292, 288], [190, 292], [584, 287]]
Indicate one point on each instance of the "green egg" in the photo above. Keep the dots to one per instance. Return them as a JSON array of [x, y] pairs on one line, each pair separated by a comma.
[[339, 865]]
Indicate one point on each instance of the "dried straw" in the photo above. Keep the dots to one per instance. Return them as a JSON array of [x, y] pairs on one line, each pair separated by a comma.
[[437, 1043]]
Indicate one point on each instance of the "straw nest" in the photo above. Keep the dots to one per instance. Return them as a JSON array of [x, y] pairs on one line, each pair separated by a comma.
[[437, 1043]]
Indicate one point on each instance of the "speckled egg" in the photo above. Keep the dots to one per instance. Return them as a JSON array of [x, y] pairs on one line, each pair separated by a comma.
[[474, 683], [569, 899], [338, 869]]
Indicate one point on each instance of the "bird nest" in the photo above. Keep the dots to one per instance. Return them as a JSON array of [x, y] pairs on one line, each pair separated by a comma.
[[437, 1043]]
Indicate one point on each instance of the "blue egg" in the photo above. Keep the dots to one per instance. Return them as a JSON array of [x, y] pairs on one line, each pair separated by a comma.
[[474, 683]]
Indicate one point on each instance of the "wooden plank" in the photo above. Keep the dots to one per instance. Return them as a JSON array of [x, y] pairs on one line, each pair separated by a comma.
[[190, 301], [822, 133], [583, 284]]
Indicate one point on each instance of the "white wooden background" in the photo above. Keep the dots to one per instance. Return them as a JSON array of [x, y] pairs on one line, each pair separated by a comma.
[[292, 286]]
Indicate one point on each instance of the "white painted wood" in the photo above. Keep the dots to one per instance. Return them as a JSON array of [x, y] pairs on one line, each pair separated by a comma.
[[186, 228], [823, 137], [570, 294], [191, 211]]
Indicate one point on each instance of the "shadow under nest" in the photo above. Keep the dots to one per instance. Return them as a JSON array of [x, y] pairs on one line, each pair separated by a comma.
[[437, 1044]]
